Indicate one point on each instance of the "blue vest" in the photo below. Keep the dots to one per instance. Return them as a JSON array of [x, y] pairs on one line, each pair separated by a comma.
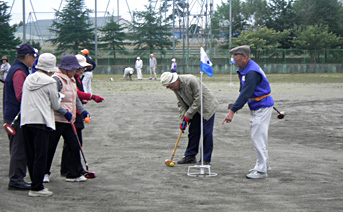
[[261, 89], [11, 106]]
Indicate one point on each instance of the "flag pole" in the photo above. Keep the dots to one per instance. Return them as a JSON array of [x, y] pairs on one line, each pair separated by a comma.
[[201, 124], [202, 167], [231, 67]]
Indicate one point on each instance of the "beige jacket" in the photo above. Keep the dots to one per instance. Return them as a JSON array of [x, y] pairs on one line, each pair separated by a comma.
[[39, 100], [69, 101], [188, 97]]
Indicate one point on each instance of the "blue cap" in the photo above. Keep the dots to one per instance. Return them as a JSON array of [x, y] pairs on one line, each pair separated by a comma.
[[69, 63], [25, 49]]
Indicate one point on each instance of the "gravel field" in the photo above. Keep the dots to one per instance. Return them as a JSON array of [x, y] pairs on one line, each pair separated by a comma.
[[134, 131]]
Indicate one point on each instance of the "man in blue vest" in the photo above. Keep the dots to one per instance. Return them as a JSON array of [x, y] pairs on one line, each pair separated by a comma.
[[255, 90], [26, 56]]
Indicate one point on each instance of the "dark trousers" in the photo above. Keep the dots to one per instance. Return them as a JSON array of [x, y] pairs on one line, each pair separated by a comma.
[[36, 141], [66, 152], [194, 134], [66, 131], [18, 162]]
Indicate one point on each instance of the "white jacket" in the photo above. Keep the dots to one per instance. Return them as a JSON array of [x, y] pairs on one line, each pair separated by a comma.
[[139, 64], [39, 100]]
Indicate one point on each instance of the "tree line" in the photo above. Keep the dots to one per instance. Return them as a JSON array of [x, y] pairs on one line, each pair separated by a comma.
[[262, 24]]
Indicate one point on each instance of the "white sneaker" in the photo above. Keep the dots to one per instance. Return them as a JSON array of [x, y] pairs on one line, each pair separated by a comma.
[[42, 193], [256, 175], [78, 179], [46, 178]]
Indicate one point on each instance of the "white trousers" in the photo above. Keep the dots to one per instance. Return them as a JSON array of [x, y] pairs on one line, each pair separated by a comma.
[[152, 72], [259, 125], [139, 73], [87, 81]]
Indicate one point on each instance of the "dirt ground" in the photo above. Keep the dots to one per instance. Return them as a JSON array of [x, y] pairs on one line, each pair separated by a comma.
[[134, 131]]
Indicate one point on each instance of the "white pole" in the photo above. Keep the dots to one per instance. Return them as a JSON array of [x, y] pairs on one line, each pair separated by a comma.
[[231, 72], [201, 126]]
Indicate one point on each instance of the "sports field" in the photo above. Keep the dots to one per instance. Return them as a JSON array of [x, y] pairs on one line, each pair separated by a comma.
[[134, 131]]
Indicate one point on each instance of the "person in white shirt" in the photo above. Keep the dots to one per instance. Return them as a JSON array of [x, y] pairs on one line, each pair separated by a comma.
[[153, 65], [128, 71], [139, 66], [173, 66]]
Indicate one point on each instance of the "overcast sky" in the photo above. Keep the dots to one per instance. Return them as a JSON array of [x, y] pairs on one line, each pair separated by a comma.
[[45, 8]]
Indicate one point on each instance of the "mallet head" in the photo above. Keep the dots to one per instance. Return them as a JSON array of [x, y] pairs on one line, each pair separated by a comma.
[[281, 115], [168, 162], [9, 129], [90, 175]]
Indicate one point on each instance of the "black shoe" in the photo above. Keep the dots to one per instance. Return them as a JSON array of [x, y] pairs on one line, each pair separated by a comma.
[[187, 159], [205, 162], [19, 187]]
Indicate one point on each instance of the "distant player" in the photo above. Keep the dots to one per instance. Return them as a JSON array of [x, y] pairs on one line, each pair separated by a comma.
[[128, 71]]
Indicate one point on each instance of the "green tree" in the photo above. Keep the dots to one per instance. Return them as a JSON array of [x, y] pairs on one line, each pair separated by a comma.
[[255, 12], [317, 37], [221, 23], [263, 39], [112, 36], [73, 27], [281, 15], [7, 39], [325, 12], [149, 33]]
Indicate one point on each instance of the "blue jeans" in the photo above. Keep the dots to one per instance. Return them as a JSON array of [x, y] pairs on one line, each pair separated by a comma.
[[194, 135]]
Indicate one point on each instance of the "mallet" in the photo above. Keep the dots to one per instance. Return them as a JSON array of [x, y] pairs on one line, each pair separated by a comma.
[[281, 114], [170, 162], [88, 175], [8, 127]]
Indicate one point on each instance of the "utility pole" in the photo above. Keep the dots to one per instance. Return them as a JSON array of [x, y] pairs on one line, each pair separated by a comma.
[[230, 27], [173, 28], [118, 10], [24, 26], [95, 30]]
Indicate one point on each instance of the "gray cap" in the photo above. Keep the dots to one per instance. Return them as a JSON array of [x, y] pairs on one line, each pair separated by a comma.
[[241, 50]]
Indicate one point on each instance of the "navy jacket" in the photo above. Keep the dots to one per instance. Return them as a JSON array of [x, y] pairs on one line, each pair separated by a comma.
[[11, 106]]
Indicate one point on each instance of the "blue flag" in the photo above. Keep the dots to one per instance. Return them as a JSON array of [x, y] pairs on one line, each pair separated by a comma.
[[206, 65]]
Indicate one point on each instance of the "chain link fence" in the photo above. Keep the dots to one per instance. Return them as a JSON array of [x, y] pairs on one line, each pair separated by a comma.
[[283, 60]]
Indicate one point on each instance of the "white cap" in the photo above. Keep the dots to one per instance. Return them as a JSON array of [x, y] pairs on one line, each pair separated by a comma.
[[168, 78], [47, 62], [138, 58], [83, 61], [173, 60]]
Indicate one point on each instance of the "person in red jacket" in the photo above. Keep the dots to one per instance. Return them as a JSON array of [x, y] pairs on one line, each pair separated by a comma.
[[79, 123]]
